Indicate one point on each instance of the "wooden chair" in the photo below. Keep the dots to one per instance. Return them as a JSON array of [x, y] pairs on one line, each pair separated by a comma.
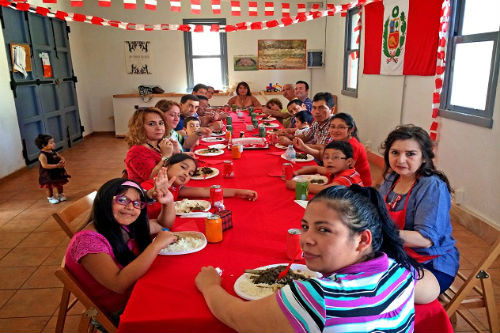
[[476, 290], [66, 217], [92, 311]]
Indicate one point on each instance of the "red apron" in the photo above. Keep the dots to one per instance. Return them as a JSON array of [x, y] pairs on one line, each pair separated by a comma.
[[399, 218]]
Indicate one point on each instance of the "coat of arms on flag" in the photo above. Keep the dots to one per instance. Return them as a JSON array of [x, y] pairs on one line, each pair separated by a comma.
[[394, 35]]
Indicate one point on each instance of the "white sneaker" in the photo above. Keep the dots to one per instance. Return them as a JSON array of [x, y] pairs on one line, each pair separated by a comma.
[[62, 197], [53, 200]]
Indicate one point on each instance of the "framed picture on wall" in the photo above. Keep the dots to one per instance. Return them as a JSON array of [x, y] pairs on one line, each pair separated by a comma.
[[245, 63], [282, 53]]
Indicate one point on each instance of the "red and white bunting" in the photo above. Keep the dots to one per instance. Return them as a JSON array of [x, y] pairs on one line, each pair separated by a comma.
[[440, 68], [285, 9], [104, 3], [235, 8], [150, 4], [76, 3], [331, 9], [215, 6], [175, 5], [269, 8], [314, 8], [129, 4], [252, 8], [49, 1], [195, 7], [301, 8]]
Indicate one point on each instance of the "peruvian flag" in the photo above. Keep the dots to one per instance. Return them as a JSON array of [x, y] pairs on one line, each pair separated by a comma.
[[268, 8], [401, 37], [235, 8], [252, 8], [150, 4], [216, 6], [195, 7], [76, 3], [285, 9], [104, 3], [129, 4], [175, 5]]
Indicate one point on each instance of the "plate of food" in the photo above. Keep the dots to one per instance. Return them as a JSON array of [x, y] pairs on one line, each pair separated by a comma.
[[268, 119], [279, 146], [300, 157], [213, 139], [186, 206], [218, 146], [209, 152], [187, 242], [313, 179], [218, 133], [271, 125], [205, 173], [261, 282]]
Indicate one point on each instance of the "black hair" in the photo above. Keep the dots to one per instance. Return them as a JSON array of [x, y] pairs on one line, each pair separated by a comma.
[[304, 116], [325, 96], [274, 101], [295, 101], [189, 97], [188, 119], [349, 121], [304, 83], [199, 86], [362, 208], [106, 224], [179, 157], [344, 146], [42, 140], [412, 132], [201, 97], [243, 83]]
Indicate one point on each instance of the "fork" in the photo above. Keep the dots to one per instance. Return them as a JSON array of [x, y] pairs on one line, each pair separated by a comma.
[[285, 271]]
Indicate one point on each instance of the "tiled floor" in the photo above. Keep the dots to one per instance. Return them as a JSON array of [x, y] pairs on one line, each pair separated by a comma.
[[32, 244]]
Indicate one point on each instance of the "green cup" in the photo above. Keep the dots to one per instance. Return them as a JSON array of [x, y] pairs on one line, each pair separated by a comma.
[[229, 128], [262, 131], [234, 107], [229, 120], [301, 190], [251, 109], [255, 123]]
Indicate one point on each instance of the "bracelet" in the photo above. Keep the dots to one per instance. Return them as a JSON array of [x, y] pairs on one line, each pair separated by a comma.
[[165, 158]]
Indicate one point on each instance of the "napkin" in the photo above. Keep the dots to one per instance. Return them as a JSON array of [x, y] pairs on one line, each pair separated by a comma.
[[301, 203], [195, 215], [276, 153]]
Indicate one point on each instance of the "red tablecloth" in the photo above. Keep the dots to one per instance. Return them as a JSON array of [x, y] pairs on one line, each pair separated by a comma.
[[166, 299]]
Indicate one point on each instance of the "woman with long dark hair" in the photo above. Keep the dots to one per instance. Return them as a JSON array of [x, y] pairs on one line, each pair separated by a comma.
[[367, 281], [418, 199], [244, 97]]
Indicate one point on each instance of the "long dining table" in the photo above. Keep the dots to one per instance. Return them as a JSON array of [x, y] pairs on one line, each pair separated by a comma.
[[165, 299]]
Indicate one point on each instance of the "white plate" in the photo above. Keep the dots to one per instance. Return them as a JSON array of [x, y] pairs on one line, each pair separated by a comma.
[[218, 146], [280, 146], [219, 134], [271, 125], [241, 291], [201, 153], [212, 139], [214, 173], [308, 159], [190, 203], [268, 119], [311, 177], [193, 234]]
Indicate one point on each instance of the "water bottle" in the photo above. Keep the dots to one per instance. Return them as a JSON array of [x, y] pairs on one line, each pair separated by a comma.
[[290, 153]]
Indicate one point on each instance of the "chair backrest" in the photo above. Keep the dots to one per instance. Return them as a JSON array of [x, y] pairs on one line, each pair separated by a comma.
[[476, 290], [92, 310], [66, 217]]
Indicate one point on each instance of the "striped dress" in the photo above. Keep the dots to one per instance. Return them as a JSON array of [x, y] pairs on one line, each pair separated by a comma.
[[372, 296]]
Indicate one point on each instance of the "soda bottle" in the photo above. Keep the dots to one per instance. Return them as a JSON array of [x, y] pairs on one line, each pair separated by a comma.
[[290, 153]]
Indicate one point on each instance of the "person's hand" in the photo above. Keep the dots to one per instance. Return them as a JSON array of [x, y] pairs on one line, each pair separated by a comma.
[[299, 144], [206, 278], [190, 153], [246, 194], [161, 190], [163, 239], [175, 145], [166, 147], [284, 141], [322, 170], [205, 131]]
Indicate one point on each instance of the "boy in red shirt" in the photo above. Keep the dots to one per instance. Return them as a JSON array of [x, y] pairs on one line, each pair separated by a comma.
[[338, 167]]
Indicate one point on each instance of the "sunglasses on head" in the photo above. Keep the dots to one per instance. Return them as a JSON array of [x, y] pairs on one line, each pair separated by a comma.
[[124, 201]]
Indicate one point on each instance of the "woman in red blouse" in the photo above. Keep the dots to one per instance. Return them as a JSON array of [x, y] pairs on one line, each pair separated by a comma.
[[148, 148]]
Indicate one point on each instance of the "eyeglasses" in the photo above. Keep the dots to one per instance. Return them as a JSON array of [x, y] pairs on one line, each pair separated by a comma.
[[124, 201], [339, 127]]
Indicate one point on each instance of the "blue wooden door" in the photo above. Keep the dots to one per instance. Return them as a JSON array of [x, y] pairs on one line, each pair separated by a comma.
[[43, 104]]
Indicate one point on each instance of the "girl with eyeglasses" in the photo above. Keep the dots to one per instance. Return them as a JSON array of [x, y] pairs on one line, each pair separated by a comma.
[[343, 128], [115, 248], [418, 199], [337, 167]]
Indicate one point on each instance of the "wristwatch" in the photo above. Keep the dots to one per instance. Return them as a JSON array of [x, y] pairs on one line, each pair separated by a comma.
[[165, 158]]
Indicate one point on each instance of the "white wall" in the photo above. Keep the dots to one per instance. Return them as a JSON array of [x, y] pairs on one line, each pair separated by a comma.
[[468, 154]]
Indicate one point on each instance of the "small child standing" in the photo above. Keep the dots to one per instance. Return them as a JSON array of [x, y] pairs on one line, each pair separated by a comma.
[[303, 120], [52, 172], [338, 167]]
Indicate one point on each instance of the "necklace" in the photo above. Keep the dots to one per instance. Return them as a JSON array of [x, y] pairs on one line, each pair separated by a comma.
[[157, 148]]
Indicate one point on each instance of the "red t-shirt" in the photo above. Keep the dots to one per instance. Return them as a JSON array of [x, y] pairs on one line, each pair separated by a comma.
[[347, 177], [154, 209], [140, 161], [362, 166]]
